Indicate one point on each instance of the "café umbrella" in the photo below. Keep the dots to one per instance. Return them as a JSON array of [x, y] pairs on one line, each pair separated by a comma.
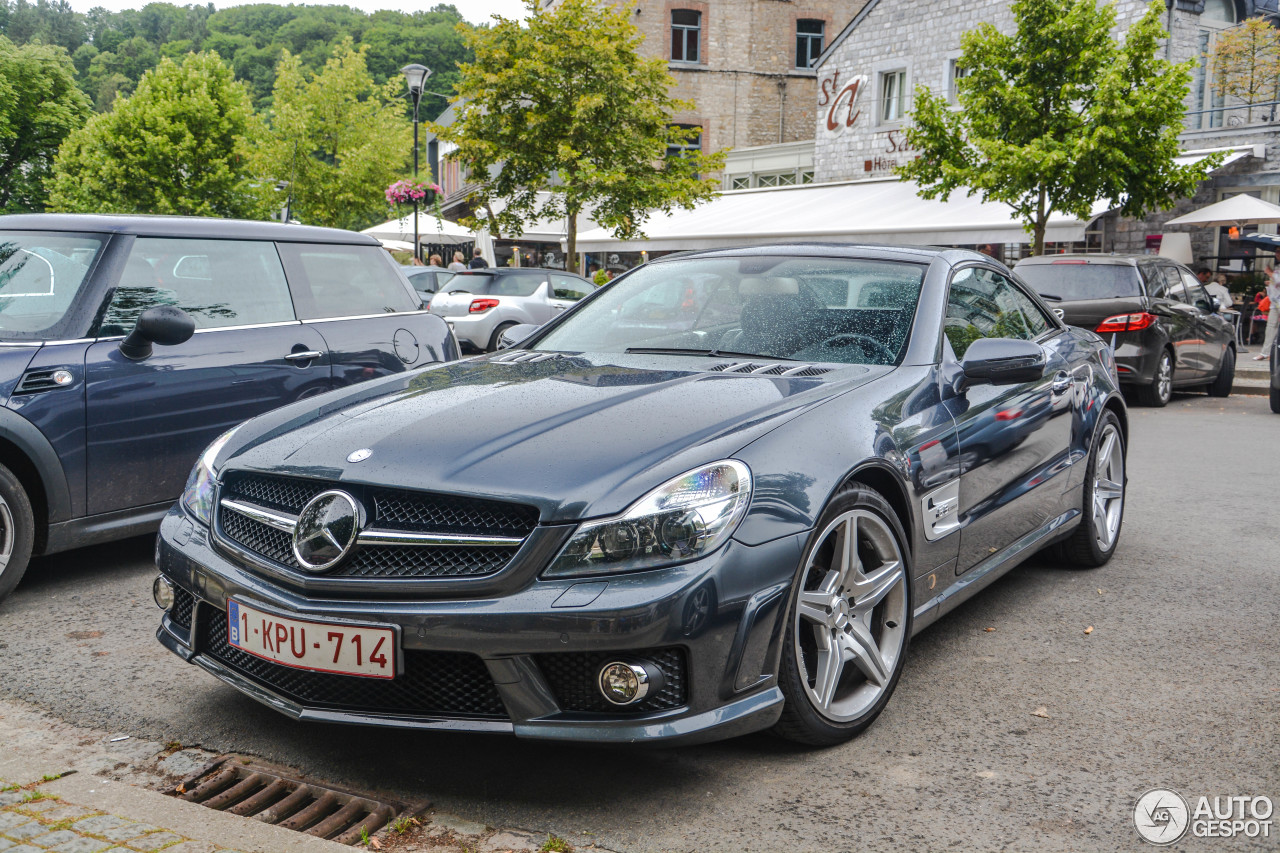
[[1237, 210]]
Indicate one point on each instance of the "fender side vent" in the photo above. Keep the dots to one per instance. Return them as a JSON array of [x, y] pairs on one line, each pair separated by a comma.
[[36, 381], [232, 785]]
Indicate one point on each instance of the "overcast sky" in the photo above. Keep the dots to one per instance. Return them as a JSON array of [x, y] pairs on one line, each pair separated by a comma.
[[475, 11]]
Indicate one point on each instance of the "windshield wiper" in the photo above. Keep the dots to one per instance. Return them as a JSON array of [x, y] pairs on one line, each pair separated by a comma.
[[711, 352], [1055, 297]]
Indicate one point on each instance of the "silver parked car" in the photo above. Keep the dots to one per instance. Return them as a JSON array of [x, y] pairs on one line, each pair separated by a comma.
[[481, 304]]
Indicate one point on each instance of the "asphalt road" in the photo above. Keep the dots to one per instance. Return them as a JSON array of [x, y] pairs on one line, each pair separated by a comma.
[[1178, 685]]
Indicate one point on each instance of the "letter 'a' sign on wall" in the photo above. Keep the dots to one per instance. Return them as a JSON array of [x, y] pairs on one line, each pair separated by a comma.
[[841, 102]]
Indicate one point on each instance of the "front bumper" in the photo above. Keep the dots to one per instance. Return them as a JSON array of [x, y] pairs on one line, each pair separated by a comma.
[[536, 648]]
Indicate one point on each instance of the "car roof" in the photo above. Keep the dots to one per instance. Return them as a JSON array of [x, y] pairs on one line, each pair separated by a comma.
[[201, 227], [1113, 259], [880, 251]]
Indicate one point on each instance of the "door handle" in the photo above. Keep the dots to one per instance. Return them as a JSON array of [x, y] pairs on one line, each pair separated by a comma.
[[308, 355], [1061, 382]]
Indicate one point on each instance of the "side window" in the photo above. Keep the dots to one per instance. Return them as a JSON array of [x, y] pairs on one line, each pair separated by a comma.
[[1157, 284], [218, 282], [1195, 291], [568, 287], [344, 281], [985, 304], [1175, 288]]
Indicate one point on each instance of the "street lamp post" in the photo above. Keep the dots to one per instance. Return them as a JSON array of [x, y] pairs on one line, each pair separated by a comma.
[[415, 75]]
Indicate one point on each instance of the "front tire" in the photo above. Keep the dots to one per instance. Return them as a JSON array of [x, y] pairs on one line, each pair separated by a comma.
[[1094, 541], [1160, 391], [849, 623], [1221, 385], [17, 531]]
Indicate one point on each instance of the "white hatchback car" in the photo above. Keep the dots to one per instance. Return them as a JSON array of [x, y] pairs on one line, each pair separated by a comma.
[[481, 304]]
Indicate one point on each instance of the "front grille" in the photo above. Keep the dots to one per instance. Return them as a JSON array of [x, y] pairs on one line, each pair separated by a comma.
[[389, 509], [183, 603], [449, 684], [572, 678]]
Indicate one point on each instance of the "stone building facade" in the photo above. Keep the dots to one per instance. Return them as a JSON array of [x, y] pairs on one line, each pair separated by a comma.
[[748, 73], [866, 79]]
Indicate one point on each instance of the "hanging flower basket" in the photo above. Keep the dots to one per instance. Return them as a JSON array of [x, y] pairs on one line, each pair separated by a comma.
[[408, 191]]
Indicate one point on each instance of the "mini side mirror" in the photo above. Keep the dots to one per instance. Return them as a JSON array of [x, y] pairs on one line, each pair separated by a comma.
[[516, 335], [1003, 361], [167, 325]]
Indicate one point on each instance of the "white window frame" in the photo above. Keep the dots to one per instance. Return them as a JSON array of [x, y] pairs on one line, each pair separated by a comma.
[[893, 79]]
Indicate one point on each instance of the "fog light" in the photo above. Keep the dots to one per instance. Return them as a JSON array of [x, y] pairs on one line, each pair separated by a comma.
[[162, 592], [627, 683]]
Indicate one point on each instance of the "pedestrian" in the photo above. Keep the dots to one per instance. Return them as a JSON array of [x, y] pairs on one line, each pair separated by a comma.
[[458, 264], [477, 259], [1273, 310], [436, 261]]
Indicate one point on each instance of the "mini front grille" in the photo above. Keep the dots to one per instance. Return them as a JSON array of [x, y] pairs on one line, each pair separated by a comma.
[[434, 684], [389, 510], [183, 604], [572, 678]]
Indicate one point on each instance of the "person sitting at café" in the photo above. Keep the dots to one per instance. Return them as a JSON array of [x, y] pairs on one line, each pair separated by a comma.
[[1216, 287]]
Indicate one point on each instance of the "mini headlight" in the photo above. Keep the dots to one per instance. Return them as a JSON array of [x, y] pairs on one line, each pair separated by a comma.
[[197, 497], [682, 519]]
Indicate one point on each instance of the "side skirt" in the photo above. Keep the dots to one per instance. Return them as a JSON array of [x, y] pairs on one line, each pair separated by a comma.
[[983, 574], [105, 527]]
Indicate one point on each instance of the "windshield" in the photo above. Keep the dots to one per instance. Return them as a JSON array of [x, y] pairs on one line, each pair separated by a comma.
[[494, 285], [40, 275], [1068, 281], [804, 309]]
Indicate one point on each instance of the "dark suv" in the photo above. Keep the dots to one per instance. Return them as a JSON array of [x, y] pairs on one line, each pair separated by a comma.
[[99, 428], [1166, 331]]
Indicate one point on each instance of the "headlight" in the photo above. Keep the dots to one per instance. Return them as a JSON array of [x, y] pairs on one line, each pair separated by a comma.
[[682, 519], [197, 497]]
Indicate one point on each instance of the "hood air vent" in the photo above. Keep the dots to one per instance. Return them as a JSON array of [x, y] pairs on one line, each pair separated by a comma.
[[523, 357], [766, 368]]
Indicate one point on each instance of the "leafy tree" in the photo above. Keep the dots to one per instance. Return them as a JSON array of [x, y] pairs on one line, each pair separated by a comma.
[[565, 104], [338, 139], [180, 145], [39, 106], [1246, 62], [1057, 116]]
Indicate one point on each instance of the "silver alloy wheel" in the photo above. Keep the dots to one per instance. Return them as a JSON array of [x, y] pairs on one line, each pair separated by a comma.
[[850, 620], [6, 535], [1164, 377], [1108, 487]]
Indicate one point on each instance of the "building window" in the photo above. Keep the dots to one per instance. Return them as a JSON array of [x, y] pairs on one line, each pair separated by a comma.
[[808, 42], [893, 95], [806, 177], [740, 183], [955, 73], [690, 146], [686, 24]]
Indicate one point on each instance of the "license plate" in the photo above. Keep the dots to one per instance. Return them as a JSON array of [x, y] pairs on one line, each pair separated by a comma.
[[317, 646]]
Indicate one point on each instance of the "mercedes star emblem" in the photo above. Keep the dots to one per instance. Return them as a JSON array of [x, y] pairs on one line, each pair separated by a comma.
[[360, 455], [326, 530]]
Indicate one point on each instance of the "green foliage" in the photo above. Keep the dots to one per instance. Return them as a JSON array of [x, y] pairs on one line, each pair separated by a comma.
[[1057, 116], [251, 38], [179, 145], [39, 106], [564, 103], [338, 138]]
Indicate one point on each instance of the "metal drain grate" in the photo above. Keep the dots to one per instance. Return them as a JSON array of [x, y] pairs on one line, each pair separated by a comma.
[[243, 789]]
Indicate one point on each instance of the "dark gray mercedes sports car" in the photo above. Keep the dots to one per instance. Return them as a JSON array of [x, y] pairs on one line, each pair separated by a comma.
[[718, 495]]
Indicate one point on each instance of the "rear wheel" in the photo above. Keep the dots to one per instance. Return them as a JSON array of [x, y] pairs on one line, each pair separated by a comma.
[[1160, 391], [849, 623], [497, 335], [17, 531], [1094, 541], [1221, 386]]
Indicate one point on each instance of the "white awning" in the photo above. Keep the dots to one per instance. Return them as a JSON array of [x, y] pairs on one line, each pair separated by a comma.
[[1188, 158], [430, 230], [882, 211]]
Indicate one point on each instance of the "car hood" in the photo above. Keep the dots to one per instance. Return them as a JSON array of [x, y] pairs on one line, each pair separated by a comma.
[[578, 436]]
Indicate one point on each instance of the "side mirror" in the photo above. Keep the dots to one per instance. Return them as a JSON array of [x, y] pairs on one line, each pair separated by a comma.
[[516, 334], [166, 325], [1003, 361]]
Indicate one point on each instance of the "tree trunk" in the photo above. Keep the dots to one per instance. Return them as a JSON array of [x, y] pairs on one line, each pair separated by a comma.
[[571, 241], [1039, 226]]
